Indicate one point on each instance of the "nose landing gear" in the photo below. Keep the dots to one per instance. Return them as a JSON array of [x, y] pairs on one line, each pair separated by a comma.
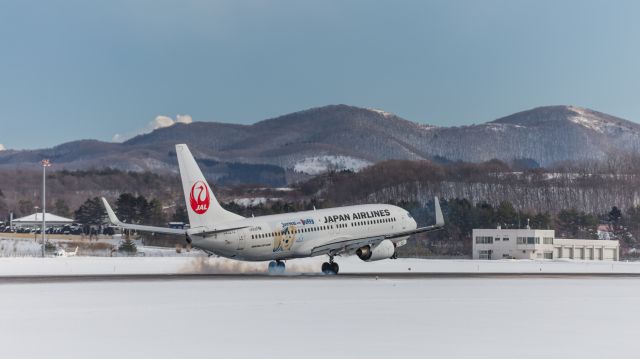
[[276, 267], [330, 267]]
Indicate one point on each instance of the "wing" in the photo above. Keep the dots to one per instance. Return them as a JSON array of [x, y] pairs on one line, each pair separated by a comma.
[[205, 233], [137, 227], [349, 244], [345, 245]]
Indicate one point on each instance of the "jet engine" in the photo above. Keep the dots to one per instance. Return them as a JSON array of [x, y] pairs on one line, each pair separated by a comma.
[[384, 250]]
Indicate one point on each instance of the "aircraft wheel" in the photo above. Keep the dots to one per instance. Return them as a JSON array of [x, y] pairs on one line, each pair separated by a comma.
[[335, 268], [330, 268], [326, 268], [273, 267]]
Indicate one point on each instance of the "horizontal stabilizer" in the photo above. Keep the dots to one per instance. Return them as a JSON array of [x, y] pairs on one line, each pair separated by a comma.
[[137, 227]]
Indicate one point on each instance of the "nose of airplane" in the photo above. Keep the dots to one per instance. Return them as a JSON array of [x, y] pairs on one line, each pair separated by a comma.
[[411, 221]]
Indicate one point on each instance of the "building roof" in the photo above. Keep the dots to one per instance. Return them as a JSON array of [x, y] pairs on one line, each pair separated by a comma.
[[37, 218], [604, 228]]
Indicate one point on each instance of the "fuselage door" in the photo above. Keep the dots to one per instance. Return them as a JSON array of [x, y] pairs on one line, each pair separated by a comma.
[[241, 239]]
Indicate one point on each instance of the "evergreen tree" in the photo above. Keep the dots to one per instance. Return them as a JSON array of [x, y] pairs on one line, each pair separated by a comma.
[[156, 215], [614, 215], [506, 215], [126, 208], [142, 209], [91, 212], [128, 246], [61, 208], [180, 215], [540, 221]]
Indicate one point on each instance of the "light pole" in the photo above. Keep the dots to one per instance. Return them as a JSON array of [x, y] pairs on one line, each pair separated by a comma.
[[35, 234], [45, 164]]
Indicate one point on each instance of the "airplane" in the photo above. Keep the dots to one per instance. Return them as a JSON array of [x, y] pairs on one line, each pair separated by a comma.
[[372, 231], [62, 253]]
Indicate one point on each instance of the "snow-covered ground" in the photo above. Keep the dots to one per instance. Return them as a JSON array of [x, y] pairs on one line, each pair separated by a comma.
[[320, 164], [194, 263], [20, 257], [29, 247], [322, 318]]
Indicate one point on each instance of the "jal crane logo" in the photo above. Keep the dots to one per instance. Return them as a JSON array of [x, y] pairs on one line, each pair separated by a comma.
[[199, 198]]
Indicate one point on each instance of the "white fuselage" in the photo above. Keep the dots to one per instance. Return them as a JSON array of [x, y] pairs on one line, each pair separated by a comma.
[[296, 234]]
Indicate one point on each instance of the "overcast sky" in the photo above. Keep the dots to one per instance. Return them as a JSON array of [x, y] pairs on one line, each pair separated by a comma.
[[97, 69]]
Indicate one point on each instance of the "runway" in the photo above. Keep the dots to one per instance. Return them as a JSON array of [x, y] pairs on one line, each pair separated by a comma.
[[301, 276], [219, 268], [315, 316]]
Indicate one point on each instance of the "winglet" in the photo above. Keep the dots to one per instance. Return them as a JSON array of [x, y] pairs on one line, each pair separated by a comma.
[[112, 216], [439, 217]]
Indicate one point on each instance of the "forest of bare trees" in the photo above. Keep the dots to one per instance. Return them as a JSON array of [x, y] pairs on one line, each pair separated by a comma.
[[592, 187]]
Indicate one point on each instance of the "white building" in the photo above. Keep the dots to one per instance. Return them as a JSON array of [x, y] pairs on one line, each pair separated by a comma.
[[36, 220], [539, 244]]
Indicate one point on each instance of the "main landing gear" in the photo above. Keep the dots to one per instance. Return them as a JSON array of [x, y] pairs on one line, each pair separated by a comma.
[[330, 267], [276, 267]]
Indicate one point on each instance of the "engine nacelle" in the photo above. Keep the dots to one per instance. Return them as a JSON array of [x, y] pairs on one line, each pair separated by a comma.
[[384, 250]]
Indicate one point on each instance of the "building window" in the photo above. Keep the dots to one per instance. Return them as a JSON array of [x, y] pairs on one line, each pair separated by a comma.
[[547, 240], [522, 240], [505, 239], [484, 240]]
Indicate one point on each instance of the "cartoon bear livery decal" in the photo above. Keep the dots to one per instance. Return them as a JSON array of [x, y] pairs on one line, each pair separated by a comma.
[[283, 240]]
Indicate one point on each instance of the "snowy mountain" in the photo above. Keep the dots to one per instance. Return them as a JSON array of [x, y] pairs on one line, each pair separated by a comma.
[[347, 137], [546, 135]]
